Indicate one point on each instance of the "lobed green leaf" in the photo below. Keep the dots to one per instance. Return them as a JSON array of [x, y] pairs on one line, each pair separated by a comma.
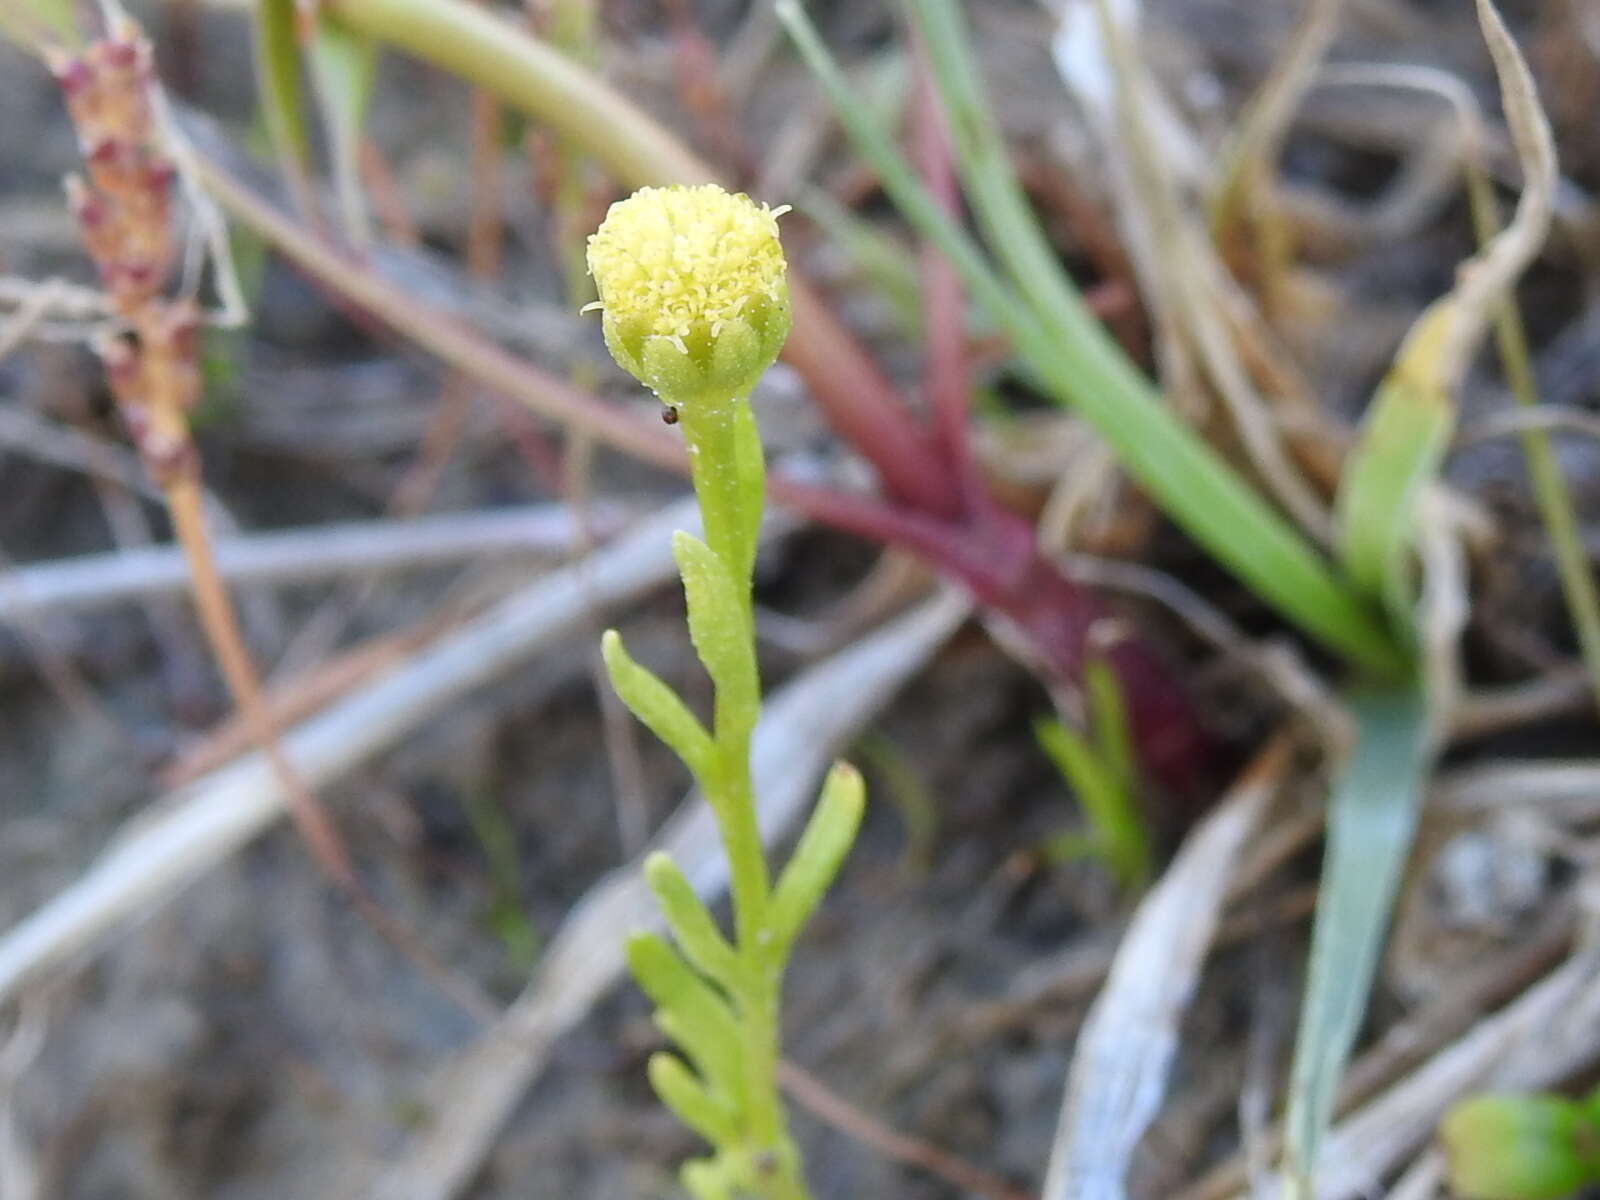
[[720, 630], [820, 852], [691, 922], [691, 1012], [659, 707], [750, 464], [697, 1108]]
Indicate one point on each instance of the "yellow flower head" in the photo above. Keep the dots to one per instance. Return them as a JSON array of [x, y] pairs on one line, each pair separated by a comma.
[[692, 289]]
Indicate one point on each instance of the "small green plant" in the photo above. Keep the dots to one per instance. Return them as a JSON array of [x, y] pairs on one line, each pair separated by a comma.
[[1521, 1147], [1099, 764], [695, 305]]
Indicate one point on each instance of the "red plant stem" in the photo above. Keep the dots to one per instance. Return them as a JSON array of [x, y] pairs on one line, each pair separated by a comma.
[[1056, 616], [946, 373], [864, 408]]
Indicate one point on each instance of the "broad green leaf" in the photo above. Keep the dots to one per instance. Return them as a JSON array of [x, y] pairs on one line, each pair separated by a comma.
[[1372, 817], [720, 630], [658, 706], [681, 1092], [690, 921], [1403, 442], [344, 67], [690, 1012], [1080, 365], [820, 852]]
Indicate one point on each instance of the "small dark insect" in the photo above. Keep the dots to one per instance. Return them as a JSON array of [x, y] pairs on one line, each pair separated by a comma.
[[669, 414]]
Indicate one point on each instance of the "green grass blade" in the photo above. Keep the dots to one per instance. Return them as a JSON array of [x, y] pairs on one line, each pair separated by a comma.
[[1081, 366], [1544, 472], [1372, 817], [1108, 722], [888, 267], [986, 172], [1402, 444], [344, 67], [278, 90], [34, 24]]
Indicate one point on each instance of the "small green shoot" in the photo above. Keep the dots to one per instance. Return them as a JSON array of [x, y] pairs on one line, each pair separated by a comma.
[[1099, 768]]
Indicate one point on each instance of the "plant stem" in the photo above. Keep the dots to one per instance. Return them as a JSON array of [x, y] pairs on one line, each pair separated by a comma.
[[730, 492], [1549, 489]]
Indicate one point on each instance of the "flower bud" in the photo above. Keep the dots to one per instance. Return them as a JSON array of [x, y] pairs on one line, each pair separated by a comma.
[[692, 288], [1511, 1147]]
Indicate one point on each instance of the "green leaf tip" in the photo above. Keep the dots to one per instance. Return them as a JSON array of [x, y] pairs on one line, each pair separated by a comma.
[[820, 852], [689, 1100], [690, 921], [657, 706]]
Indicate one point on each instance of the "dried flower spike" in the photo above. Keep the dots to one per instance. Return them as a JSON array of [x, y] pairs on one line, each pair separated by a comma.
[[692, 289]]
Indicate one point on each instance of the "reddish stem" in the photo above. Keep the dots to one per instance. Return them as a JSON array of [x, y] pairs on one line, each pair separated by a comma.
[[946, 372], [863, 407]]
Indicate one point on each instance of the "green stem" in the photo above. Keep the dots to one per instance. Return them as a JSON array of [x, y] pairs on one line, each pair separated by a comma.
[[1549, 489], [730, 491], [710, 431]]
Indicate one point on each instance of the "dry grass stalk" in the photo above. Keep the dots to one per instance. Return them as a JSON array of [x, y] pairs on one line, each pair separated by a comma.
[[1130, 1037]]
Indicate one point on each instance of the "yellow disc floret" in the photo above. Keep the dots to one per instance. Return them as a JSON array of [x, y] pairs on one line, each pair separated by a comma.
[[692, 289]]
